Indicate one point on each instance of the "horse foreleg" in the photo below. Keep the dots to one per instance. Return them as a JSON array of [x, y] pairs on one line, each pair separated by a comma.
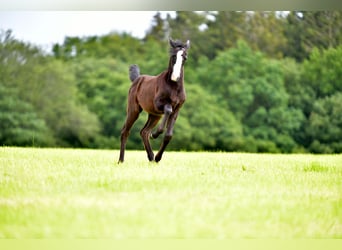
[[161, 127], [145, 134], [167, 137]]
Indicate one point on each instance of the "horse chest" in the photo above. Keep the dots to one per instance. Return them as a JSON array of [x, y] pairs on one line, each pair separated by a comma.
[[173, 96]]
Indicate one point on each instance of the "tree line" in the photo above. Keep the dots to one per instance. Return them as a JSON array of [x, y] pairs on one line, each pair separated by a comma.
[[255, 82]]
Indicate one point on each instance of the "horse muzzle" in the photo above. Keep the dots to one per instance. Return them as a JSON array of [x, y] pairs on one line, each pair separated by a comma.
[[175, 78]]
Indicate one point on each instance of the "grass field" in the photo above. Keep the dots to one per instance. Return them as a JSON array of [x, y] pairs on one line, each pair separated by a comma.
[[69, 193]]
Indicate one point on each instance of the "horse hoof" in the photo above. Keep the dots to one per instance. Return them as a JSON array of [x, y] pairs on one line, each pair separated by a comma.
[[158, 158]]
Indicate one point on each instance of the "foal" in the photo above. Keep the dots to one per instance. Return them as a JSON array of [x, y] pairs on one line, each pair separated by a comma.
[[159, 95]]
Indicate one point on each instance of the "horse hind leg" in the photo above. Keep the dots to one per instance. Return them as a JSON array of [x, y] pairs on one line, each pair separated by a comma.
[[132, 116], [146, 132]]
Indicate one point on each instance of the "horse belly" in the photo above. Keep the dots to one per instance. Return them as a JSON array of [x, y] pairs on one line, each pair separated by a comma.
[[146, 95]]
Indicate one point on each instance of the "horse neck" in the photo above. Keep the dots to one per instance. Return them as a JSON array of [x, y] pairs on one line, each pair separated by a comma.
[[170, 68]]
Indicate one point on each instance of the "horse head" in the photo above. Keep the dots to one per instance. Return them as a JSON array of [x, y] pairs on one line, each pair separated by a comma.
[[179, 55]]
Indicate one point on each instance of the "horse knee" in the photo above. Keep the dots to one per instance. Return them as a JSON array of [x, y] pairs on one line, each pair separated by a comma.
[[168, 137], [167, 109], [156, 134], [144, 133]]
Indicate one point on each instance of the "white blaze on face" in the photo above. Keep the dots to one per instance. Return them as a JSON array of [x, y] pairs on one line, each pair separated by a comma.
[[177, 67]]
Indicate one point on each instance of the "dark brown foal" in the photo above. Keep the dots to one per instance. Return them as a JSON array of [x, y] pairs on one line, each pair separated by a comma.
[[160, 96]]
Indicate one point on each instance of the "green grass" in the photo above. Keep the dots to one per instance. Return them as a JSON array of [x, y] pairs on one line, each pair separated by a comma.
[[68, 193]]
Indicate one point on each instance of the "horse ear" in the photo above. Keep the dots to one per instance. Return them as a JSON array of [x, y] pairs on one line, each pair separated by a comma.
[[172, 43], [187, 46]]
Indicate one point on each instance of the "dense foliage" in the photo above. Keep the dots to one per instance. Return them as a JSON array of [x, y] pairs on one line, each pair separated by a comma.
[[255, 82]]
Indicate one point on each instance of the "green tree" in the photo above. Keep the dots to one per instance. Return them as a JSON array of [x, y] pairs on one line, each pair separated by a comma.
[[306, 30], [154, 59], [19, 124], [253, 89], [53, 93], [121, 46], [225, 28], [325, 125], [188, 25], [159, 30], [49, 86], [301, 95], [323, 71], [203, 124], [265, 32], [103, 86]]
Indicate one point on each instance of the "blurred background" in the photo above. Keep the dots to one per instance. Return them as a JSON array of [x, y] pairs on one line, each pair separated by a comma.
[[255, 81]]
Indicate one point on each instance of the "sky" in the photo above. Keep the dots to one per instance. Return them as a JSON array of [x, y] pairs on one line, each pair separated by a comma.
[[45, 28]]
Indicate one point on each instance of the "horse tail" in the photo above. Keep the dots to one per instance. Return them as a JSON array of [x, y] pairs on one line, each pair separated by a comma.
[[134, 72]]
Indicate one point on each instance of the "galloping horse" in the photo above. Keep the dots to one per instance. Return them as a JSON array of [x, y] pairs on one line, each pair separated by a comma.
[[159, 95]]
